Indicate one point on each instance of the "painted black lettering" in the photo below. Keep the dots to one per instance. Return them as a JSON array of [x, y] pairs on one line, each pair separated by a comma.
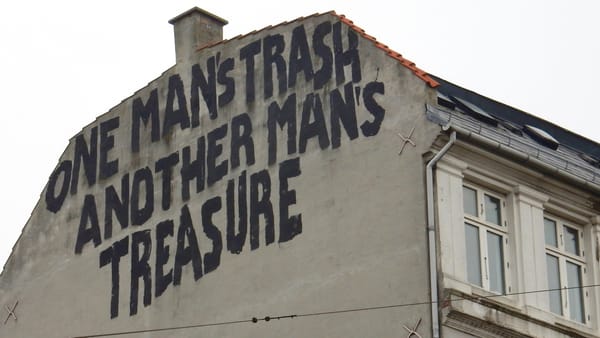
[[179, 115], [228, 81], [371, 128], [165, 165], [113, 256], [89, 216], [312, 106], [86, 155], [164, 229], [241, 136], [348, 57], [144, 112], [344, 111], [236, 241], [107, 142], [118, 205], [139, 215], [322, 75], [191, 252], [282, 116], [215, 171], [260, 204], [248, 53], [300, 60], [289, 226], [193, 169], [54, 202], [208, 86], [212, 259], [272, 50], [140, 268]]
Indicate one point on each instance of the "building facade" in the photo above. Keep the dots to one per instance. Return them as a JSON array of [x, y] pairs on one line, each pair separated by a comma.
[[305, 180], [519, 250]]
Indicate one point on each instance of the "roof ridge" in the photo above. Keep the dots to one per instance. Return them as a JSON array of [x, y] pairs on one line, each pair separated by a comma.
[[241, 36], [390, 52], [403, 61]]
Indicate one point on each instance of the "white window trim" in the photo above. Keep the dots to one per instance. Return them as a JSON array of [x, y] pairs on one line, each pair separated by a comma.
[[526, 207], [479, 221], [563, 257], [451, 175]]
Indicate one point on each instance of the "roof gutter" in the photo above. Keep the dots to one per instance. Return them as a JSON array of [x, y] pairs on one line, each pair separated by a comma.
[[431, 229], [523, 158]]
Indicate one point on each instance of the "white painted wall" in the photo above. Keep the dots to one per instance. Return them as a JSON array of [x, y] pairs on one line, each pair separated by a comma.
[[362, 206]]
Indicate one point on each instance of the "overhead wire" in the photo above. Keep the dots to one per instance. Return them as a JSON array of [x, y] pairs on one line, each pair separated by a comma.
[[324, 313]]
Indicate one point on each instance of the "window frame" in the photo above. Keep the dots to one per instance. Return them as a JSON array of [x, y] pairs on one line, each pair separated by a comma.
[[527, 202], [484, 226], [564, 258]]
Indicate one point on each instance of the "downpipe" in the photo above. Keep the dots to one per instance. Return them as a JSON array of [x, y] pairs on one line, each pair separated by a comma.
[[431, 230]]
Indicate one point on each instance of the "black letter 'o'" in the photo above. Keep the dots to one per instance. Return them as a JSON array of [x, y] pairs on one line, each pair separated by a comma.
[[53, 202]]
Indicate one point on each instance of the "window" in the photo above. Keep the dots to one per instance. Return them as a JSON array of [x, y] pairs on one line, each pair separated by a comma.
[[566, 268], [485, 239]]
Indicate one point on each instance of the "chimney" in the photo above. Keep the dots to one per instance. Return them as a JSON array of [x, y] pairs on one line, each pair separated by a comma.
[[195, 29]]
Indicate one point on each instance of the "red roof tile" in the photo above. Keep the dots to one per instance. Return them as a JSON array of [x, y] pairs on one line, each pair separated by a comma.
[[406, 63]]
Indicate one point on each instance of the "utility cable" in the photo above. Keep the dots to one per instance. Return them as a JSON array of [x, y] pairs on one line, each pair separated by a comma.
[[324, 313], [164, 329]]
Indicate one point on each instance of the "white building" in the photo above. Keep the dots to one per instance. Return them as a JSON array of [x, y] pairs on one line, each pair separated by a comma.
[[306, 180], [526, 223]]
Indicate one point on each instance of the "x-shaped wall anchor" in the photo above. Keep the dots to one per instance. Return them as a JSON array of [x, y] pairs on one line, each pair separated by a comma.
[[406, 140], [413, 332], [11, 312]]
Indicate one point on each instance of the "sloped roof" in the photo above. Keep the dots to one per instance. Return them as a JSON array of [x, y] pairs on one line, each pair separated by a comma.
[[510, 128], [505, 112]]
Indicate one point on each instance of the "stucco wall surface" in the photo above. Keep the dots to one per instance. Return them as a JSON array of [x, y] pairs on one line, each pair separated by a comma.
[[267, 176]]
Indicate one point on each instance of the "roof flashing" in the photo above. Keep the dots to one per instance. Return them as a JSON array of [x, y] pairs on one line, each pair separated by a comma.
[[445, 101], [474, 111], [512, 127], [590, 159]]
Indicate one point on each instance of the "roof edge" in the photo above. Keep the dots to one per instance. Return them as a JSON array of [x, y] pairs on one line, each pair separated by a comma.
[[505, 111], [431, 82], [406, 63], [241, 36]]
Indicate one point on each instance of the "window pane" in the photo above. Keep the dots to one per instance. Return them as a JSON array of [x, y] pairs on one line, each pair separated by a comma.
[[575, 292], [470, 201], [571, 240], [492, 209], [495, 262], [550, 231], [554, 284], [473, 254]]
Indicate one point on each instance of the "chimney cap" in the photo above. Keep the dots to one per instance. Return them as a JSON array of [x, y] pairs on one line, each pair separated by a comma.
[[200, 11]]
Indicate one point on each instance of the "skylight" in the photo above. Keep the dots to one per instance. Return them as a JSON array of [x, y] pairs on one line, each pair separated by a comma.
[[541, 136]]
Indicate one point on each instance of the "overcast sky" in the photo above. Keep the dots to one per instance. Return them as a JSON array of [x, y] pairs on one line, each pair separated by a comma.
[[63, 63]]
